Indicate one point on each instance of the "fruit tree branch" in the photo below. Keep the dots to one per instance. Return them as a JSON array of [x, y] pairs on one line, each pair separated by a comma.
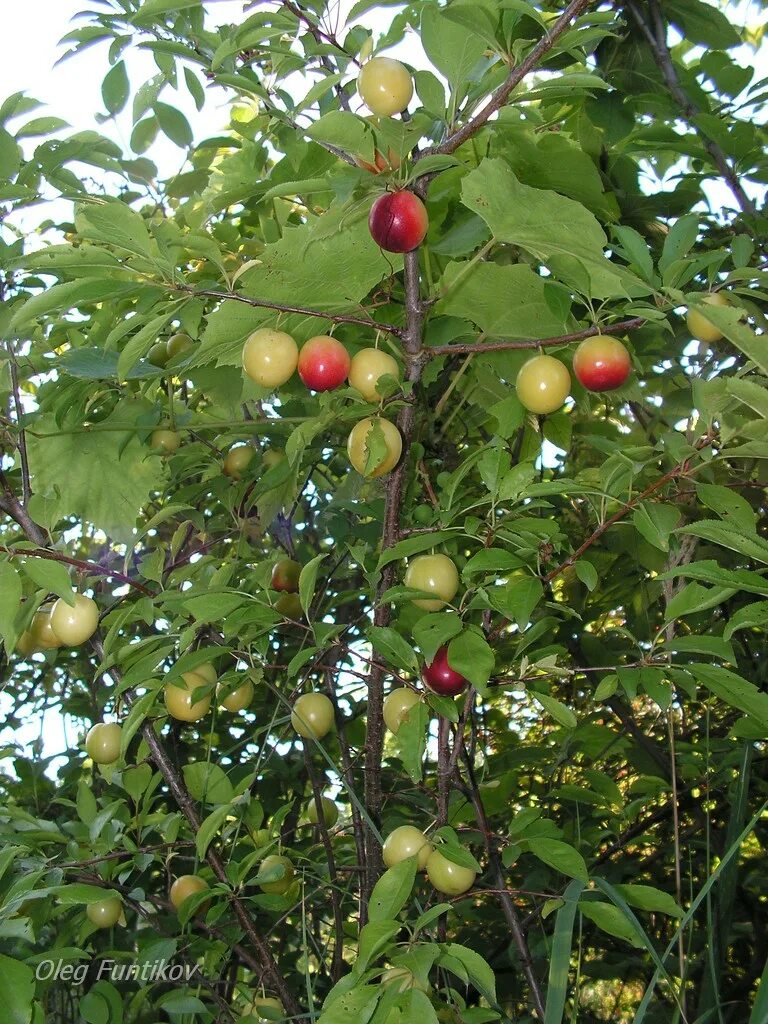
[[337, 966], [374, 747], [92, 568], [515, 77], [508, 908], [186, 805], [178, 790], [681, 469], [677, 471], [280, 307], [656, 37], [533, 343]]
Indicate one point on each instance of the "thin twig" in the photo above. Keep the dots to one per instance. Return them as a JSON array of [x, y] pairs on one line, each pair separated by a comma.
[[656, 38], [515, 77], [92, 568], [532, 343], [281, 307]]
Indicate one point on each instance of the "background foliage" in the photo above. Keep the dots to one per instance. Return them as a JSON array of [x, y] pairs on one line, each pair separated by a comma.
[[607, 767]]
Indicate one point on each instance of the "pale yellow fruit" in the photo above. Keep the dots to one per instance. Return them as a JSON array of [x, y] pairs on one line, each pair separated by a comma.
[[385, 86], [397, 704], [357, 446], [74, 624], [367, 367], [447, 877], [435, 574], [701, 328], [270, 357], [404, 842]]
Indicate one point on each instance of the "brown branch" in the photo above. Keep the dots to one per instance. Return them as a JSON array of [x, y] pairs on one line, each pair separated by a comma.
[[280, 307], [677, 471], [12, 507], [321, 38], [508, 908], [337, 966], [532, 343], [319, 34], [656, 38], [515, 77], [267, 966], [374, 747], [92, 568]]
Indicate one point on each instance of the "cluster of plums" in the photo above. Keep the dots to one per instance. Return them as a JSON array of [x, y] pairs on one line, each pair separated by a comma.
[[270, 358], [446, 876], [60, 625]]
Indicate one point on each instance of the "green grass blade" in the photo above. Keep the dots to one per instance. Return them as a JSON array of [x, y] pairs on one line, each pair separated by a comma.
[[560, 960]]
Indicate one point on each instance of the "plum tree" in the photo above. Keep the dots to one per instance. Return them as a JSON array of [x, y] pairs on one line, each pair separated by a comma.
[[288, 333]]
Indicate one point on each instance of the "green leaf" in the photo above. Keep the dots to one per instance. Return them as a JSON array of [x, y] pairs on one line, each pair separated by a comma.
[[709, 571], [210, 827], [411, 740], [17, 990], [307, 581], [10, 156], [503, 301], [116, 88], [655, 522], [610, 919], [735, 691], [108, 474], [180, 1004], [646, 897], [68, 296], [561, 714], [392, 890], [78, 893], [208, 783], [393, 647], [345, 131], [173, 124], [50, 576], [560, 958], [728, 504], [728, 536], [375, 937], [453, 49], [141, 342], [114, 222], [477, 968], [747, 618], [554, 229], [151, 8], [434, 630], [470, 654], [10, 601], [558, 855], [136, 780], [728, 320], [517, 599], [413, 545]]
